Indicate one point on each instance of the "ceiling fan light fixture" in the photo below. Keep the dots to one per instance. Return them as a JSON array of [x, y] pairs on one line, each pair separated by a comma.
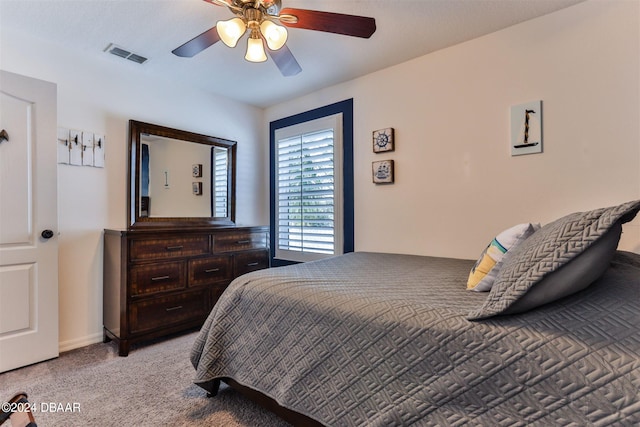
[[230, 31], [255, 49], [267, 22], [275, 35]]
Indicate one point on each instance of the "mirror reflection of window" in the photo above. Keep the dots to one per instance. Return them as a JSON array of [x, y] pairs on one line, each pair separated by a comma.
[[144, 180], [220, 181]]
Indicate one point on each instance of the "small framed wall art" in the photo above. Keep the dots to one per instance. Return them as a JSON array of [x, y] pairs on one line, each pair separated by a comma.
[[526, 128], [196, 171], [197, 188], [383, 140], [382, 172]]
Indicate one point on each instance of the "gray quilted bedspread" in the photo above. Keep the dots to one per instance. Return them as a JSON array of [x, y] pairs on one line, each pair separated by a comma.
[[372, 339]]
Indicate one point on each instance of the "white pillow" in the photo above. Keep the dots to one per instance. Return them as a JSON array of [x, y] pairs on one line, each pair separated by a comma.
[[485, 270]]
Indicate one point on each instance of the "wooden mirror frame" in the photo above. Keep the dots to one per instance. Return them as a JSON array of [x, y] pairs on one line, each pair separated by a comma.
[[134, 220]]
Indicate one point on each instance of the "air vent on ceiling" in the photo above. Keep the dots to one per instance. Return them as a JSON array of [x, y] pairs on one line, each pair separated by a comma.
[[123, 53]]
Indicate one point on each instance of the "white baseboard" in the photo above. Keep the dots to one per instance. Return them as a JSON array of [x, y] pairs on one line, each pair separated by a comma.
[[79, 342]]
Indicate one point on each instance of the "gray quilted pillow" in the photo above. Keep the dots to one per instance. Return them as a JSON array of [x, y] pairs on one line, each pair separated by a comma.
[[553, 246]]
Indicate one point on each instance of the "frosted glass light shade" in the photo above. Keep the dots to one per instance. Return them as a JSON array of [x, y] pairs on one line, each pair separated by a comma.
[[230, 31], [255, 51], [275, 35]]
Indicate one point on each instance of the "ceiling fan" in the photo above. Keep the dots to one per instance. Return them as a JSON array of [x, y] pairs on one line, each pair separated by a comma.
[[260, 17]]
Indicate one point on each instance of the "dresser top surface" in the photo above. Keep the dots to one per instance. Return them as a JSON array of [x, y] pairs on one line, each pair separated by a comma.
[[186, 230]]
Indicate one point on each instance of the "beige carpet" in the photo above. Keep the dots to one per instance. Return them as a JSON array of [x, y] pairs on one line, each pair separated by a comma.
[[153, 386]]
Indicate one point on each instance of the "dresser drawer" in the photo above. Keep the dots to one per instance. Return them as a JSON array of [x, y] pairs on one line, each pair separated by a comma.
[[204, 271], [250, 261], [159, 312], [240, 242], [151, 278], [144, 249]]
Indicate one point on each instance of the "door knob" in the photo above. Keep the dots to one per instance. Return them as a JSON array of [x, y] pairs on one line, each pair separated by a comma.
[[47, 234]]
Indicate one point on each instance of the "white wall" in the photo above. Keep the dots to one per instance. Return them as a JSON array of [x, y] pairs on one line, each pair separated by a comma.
[[99, 93], [456, 183]]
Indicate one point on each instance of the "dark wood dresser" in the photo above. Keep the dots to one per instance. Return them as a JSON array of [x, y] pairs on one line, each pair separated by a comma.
[[158, 282]]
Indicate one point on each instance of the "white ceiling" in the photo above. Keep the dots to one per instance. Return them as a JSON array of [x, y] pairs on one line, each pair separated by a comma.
[[406, 29]]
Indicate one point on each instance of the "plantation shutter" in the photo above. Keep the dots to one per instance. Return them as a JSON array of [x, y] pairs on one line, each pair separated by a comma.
[[307, 201], [221, 158]]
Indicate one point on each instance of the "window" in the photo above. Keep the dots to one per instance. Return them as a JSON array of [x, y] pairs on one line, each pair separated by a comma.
[[312, 185], [221, 182], [308, 190]]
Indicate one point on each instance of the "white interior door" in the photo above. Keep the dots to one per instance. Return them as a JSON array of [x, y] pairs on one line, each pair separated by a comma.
[[28, 222]]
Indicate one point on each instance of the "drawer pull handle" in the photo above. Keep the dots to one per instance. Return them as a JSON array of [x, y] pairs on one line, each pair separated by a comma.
[[252, 264], [212, 270], [178, 307], [243, 242], [174, 248], [155, 279]]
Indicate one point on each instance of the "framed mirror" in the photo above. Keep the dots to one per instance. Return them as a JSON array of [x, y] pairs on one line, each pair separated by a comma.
[[179, 178]]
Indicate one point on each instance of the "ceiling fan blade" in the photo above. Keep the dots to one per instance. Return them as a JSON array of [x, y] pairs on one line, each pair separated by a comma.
[[218, 2], [198, 43], [338, 23], [285, 61], [227, 3]]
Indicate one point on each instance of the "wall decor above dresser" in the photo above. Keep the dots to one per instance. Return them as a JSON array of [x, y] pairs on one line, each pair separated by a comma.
[[180, 251]]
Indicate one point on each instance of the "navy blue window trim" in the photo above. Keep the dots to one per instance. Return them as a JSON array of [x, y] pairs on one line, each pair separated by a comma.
[[346, 108]]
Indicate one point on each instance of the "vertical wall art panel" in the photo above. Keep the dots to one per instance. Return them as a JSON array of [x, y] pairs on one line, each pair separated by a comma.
[[98, 150], [526, 128], [75, 141], [63, 146], [87, 148]]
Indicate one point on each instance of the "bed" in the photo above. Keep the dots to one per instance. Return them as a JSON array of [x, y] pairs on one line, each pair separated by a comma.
[[372, 339]]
